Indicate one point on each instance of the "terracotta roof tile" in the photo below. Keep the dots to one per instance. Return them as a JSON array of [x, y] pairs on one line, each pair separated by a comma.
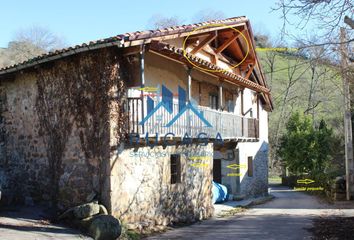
[[113, 41]]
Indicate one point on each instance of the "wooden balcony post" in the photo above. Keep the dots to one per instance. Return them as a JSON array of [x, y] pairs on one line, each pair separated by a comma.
[[189, 71], [257, 121], [142, 78], [242, 114]]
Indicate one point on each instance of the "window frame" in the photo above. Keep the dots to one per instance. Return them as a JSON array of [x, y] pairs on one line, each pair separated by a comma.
[[175, 168], [250, 168], [214, 98]]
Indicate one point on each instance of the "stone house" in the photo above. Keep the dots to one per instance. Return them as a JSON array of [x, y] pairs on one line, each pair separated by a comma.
[[143, 121]]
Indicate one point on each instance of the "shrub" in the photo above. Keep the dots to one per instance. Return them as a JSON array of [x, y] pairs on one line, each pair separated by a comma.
[[306, 150]]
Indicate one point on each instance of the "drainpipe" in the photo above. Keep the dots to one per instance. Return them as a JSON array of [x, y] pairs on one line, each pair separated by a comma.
[[142, 78], [242, 113], [242, 107]]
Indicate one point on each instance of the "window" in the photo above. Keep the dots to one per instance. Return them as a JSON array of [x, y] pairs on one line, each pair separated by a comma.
[[230, 106], [175, 168], [213, 101], [250, 166]]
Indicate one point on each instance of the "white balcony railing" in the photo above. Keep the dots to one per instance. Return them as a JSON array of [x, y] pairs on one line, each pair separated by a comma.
[[229, 125]]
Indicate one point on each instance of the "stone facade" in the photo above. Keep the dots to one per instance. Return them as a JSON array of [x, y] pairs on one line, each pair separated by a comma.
[[256, 185], [63, 129], [142, 192], [55, 129], [23, 161], [238, 181]]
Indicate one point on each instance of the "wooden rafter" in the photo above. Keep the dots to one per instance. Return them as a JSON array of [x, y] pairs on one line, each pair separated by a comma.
[[250, 71], [256, 61], [227, 43], [207, 40], [238, 49], [214, 59], [189, 42]]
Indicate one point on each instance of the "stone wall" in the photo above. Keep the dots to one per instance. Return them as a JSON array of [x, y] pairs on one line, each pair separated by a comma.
[[142, 192], [23, 163], [244, 185], [56, 120], [256, 185], [3, 109], [237, 180]]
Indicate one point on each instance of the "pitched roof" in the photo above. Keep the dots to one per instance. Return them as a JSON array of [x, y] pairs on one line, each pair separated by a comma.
[[118, 40], [178, 53], [143, 37], [172, 51]]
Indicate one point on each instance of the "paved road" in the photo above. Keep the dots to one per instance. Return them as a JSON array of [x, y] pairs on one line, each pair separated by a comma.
[[287, 216]]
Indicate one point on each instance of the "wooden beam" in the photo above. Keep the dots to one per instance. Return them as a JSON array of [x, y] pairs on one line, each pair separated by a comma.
[[207, 40], [214, 59], [227, 43], [131, 50], [250, 71]]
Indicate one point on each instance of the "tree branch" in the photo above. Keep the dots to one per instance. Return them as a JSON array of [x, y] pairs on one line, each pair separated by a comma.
[[349, 21]]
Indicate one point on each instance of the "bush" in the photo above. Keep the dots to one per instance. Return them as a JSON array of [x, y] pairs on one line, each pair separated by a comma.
[[307, 150]]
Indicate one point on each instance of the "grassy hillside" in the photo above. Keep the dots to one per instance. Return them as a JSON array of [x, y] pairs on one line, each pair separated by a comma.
[[298, 84]]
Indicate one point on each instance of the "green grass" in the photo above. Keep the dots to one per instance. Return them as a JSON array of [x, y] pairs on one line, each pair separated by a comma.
[[128, 234], [274, 180]]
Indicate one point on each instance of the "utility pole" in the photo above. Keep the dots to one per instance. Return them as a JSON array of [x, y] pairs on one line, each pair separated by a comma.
[[348, 135]]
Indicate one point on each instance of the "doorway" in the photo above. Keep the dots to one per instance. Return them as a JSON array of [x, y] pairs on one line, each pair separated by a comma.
[[217, 170]]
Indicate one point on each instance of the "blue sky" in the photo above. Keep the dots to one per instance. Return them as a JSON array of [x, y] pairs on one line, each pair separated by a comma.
[[80, 21]]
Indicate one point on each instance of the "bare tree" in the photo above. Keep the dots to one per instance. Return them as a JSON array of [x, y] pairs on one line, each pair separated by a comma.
[[295, 72], [40, 37], [29, 43], [159, 21], [20, 51], [327, 14], [208, 15]]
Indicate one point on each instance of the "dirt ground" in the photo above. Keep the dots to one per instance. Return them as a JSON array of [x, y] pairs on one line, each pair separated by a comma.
[[339, 228], [19, 223]]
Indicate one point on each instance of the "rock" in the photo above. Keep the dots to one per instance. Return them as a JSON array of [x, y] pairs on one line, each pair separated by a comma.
[[160, 228], [82, 224], [83, 211], [103, 210], [132, 226], [104, 227], [67, 214], [86, 210]]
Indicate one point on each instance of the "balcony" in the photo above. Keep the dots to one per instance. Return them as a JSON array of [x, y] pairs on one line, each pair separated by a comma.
[[162, 121]]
